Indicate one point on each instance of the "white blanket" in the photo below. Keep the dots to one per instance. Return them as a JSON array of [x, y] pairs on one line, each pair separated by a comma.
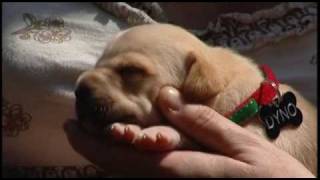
[[45, 48]]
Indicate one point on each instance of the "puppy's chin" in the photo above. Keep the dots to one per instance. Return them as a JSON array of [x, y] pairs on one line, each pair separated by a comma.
[[92, 128]]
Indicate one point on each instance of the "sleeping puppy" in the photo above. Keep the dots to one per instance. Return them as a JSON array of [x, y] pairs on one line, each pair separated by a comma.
[[121, 91]]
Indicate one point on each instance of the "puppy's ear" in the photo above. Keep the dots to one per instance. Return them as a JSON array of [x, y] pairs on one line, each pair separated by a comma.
[[202, 79]]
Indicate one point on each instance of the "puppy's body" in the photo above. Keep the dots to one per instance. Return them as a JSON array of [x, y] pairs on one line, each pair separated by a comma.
[[140, 61]]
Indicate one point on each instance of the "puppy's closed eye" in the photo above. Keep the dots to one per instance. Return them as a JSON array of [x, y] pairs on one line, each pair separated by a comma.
[[131, 73], [133, 77]]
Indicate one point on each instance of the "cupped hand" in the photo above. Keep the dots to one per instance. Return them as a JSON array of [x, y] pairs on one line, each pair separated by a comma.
[[231, 151]]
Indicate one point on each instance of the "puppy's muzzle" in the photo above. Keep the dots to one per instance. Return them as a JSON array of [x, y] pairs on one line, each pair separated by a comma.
[[89, 107]]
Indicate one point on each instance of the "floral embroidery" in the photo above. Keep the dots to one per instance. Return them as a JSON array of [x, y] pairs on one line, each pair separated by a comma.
[[50, 29], [14, 120]]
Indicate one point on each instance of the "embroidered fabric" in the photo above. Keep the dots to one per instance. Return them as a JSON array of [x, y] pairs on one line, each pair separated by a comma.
[[124, 11], [152, 9], [14, 119], [239, 31], [245, 32], [46, 30], [45, 48]]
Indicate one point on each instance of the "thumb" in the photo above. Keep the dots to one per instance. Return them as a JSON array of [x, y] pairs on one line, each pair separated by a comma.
[[203, 123]]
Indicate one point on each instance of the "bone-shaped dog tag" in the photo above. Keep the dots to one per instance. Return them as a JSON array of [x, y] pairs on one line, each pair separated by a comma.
[[279, 113]]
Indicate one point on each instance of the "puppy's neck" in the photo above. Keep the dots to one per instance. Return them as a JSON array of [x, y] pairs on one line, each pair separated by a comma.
[[241, 77]]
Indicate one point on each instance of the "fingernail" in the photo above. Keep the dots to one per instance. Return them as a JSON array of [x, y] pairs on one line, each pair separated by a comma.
[[109, 129], [143, 137], [172, 98], [112, 127], [160, 138], [126, 130]]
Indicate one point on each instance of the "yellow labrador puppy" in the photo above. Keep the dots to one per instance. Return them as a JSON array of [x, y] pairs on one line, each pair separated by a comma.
[[123, 87]]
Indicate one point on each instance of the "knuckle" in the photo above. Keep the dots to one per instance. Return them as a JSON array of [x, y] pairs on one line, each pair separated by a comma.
[[202, 117]]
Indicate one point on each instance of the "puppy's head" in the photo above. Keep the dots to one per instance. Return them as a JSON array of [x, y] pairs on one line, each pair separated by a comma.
[[124, 85]]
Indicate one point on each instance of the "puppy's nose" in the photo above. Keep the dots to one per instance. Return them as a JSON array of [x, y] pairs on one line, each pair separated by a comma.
[[83, 101], [83, 92], [90, 107]]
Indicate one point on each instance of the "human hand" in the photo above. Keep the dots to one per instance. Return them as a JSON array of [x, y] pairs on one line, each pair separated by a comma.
[[241, 153]]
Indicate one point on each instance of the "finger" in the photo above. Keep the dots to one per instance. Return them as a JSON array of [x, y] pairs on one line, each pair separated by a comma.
[[120, 160], [158, 138], [204, 124], [199, 164], [114, 159], [125, 132]]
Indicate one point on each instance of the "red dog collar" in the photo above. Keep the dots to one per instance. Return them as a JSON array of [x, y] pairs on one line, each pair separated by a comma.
[[262, 96]]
